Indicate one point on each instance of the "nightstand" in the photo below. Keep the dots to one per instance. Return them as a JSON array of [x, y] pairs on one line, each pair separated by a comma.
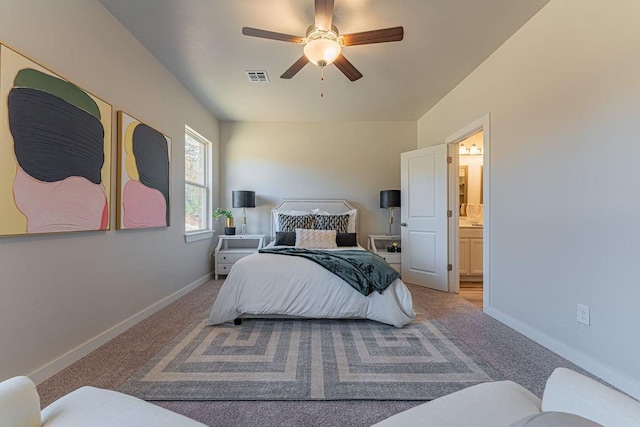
[[230, 249], [378, 244]]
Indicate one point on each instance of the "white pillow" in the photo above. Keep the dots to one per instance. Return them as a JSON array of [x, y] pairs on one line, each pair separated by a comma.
[[315, 239]]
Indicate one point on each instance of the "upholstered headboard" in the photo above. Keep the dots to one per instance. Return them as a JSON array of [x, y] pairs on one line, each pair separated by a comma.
[[334, 206]]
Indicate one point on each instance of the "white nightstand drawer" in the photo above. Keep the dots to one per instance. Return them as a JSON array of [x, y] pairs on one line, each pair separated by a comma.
[[230, 258], [224, 268], [390, 257]]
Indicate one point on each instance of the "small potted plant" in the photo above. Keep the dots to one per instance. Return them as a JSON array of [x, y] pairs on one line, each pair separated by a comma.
[[229, 229]]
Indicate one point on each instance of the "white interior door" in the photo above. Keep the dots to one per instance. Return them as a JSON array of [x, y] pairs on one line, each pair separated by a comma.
[[424, 217]]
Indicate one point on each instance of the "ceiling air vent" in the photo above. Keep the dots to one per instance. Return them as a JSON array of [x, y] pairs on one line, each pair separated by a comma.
[[257, 76]]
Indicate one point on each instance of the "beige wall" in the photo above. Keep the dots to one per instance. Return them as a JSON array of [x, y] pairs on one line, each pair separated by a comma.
[[564, 99], [61, 295], [345, 160]]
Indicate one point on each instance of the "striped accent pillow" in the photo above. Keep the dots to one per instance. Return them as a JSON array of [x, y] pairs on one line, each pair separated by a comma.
[[315, 239], [339, 222], [291, 222]]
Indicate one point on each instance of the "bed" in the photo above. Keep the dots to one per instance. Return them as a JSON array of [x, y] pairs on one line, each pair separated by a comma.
[[272, 285]]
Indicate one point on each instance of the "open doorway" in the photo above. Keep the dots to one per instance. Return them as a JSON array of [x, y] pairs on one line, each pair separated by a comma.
[[470, 218], [469, 204]]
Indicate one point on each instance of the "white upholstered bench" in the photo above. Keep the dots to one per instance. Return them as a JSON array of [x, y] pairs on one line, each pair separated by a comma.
[[84, 407], [507, 404]]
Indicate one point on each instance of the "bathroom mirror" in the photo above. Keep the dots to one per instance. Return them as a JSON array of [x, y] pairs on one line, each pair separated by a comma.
[[463, 181]]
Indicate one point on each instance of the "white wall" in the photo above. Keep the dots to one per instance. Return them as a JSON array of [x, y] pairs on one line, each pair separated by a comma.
[[59, 292], [564, 99], [344, 160]]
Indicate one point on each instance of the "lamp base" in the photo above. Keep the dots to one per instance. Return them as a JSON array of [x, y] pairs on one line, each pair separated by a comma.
[[394, 249]]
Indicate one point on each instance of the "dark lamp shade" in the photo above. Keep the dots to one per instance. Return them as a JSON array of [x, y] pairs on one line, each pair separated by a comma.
[[390, 198], [244, 199]]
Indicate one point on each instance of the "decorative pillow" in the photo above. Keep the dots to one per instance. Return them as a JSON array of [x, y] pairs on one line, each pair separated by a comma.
[[315, 239], [346, 239], [555, 419], [291, 222], [340, 222], [285, 238], [352, 217], [292, 212]]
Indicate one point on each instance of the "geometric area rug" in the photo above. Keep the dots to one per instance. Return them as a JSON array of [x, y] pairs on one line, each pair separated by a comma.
[[317, 359]]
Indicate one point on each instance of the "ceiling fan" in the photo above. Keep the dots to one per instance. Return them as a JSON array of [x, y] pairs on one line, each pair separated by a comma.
[[323, 42]]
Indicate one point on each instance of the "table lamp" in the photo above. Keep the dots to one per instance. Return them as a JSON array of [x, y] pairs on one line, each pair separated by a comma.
[[390, 199], [244, 199]]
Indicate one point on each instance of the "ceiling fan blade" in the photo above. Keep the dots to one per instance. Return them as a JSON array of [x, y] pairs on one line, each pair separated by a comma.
[[384, 35], [297, 66], [324, 14], [255, 32], [347, 68]]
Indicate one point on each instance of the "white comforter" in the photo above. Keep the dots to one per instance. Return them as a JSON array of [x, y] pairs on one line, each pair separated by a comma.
[[268, 284]]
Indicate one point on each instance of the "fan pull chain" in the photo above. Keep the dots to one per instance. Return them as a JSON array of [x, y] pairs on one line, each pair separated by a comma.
[[321, 82]]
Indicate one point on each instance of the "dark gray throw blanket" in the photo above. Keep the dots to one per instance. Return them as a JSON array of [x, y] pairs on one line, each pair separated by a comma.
[[363, 270]]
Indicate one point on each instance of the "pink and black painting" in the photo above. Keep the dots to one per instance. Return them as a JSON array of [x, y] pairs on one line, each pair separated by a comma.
[[144, 156], [55, 147]]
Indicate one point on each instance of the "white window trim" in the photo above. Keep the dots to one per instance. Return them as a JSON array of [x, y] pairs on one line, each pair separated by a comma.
[[198, 235]]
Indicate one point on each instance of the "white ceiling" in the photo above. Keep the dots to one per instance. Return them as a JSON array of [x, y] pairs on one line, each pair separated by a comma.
[[200, 42]]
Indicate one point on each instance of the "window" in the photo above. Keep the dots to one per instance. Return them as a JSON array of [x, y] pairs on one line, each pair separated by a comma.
[[197, 182]]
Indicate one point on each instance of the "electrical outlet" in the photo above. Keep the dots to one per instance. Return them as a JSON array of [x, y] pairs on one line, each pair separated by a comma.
[[210, 255], [583, 314]]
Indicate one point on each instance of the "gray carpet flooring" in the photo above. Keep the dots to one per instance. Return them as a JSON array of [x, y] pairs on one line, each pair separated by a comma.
[[514, 356], [310, 359]]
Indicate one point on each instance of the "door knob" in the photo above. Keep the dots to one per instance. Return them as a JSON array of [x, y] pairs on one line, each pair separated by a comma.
[[404, 224]]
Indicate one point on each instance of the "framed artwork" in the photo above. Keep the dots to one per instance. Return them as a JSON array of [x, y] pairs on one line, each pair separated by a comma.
[[144, 156], [55, 152]]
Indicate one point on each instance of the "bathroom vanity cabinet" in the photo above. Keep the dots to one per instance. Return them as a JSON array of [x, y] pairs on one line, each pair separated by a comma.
[[471, 253]]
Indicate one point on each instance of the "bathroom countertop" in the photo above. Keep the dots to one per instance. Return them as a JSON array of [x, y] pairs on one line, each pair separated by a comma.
[[470, 226]]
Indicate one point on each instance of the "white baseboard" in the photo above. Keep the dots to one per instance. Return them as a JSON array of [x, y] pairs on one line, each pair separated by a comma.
[[57, 365], [586, 362]]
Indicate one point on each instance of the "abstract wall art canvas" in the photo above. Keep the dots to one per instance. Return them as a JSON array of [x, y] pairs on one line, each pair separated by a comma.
[[144, 156], [55, 152]]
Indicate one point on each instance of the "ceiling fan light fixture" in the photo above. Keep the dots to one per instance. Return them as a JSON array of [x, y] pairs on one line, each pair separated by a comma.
[[323, 42], [322, 51]]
